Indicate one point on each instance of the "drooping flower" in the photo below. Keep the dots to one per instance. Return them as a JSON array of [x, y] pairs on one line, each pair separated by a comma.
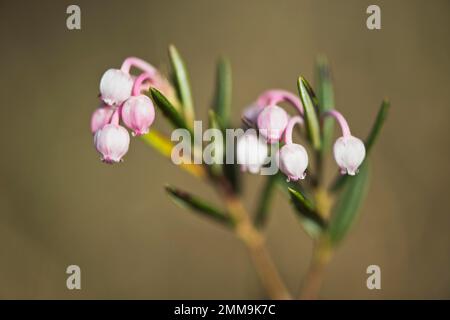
[[101, 117], [292, 159], [270, 118], [115, 87], [122, 99], [251, 151], [138, 113], [112, 142], [349, 151], [271, 122]]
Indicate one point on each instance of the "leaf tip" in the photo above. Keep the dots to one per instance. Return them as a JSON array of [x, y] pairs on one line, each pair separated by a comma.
[[169, 188], [172, 48]]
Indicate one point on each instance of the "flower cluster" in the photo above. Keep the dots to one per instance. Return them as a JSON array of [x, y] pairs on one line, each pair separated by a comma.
[[122, 99], [275, 126]]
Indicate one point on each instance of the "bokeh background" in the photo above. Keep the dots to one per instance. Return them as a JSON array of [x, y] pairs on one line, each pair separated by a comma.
[[59, 205]]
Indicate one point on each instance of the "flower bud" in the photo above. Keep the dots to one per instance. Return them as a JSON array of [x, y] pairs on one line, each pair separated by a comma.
[[293, 160], [271, 122], [251, 151], [349, 153], [138, 114], [112, 142], [115, 86], [250, 114], [101, 117]]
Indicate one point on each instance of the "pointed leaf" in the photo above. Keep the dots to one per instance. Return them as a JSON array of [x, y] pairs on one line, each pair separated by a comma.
[[325, 96], [232, 170], [216, 168], [309, 100], [182, 84], [340, 181], [348, 204], [312, 222], [376, 128], [168, 109], [198, 205], [222, 97]]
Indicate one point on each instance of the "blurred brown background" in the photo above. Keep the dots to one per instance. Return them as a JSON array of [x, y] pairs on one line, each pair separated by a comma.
[[59, 205]]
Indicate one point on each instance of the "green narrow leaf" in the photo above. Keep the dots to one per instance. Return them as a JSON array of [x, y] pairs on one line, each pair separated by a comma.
[[219, 151], [340, 181], [311, 221], [168, 109], [182, 84], [376, 128], [213, 120], [200, 206], [231, 171], [309, 100], [325, 95], [264, 200], [222, 106], [348, 204], [223, 93]]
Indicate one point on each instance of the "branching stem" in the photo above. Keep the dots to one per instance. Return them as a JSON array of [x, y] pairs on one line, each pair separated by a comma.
[[255, 243], [313, 281]]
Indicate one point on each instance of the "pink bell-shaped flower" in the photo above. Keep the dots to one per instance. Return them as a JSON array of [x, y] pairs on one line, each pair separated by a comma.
[[292, 159], [271, 123], [138, 114], [349, 153], [115, 86], [112, 142], [251, 151], [101, 117]]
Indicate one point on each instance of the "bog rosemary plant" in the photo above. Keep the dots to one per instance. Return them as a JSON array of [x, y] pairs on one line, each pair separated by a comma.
[[264, 145]]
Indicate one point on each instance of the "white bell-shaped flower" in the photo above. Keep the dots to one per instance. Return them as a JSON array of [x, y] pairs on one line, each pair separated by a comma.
[[115, 86], [272, 122], [292, 160], [349, 153], [112, 142], [251, 151]]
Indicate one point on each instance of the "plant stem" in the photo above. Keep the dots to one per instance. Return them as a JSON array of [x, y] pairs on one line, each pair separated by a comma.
[[264, 200], [313, 281], [255, 243]]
